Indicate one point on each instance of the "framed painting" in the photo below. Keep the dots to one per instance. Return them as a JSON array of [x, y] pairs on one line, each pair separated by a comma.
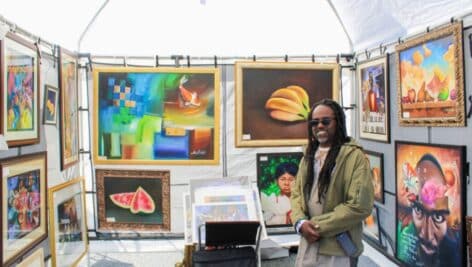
[[51, 97], [377, 168], [374, 100], [371, 227], [430, 204], [68, 86], [19, 94], [24, 187], [36, 259], [430, 79], [278, 96], [67, 220], [276, 173], [156, 116], [133, 200]]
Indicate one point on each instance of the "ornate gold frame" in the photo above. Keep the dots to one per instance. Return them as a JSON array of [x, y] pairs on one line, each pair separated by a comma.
[[457, 120], [104, 224]]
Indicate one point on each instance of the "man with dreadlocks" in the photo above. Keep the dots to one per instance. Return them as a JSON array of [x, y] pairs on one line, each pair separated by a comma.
[[333, 191]]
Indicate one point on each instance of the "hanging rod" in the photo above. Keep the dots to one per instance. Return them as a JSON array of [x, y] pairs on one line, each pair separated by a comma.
[[411, 36], [16, 29]]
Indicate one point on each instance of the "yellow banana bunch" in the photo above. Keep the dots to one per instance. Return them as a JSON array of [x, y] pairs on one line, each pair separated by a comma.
[[288, 104]]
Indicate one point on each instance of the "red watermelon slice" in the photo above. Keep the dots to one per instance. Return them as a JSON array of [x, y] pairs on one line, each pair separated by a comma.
[[142, 202], [122, 200]]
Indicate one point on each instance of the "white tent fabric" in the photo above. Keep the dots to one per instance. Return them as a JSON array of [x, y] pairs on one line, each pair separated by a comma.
[[228, 28], [370, 23], [185, 27]]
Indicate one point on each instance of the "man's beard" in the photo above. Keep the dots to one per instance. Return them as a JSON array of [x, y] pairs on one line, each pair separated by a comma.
[[322, 137]]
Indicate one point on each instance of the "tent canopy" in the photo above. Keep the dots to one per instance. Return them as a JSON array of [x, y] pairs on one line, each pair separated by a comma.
[[227, 28]]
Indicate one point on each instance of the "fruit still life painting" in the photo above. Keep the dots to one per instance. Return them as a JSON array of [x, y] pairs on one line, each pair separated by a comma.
[[431, 79], [278, 96], [137, 202]]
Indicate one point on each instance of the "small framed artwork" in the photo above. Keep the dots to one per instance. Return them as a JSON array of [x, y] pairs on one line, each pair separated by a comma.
[[276, 173], [133, 200], [51, 97], [36, 259], [278, 96], [430, 79], [67, 220], [374, 104], [371, 229], [68, 86], [430, 204], [156, 116], [23, 216], [377, 167], [19, 94]]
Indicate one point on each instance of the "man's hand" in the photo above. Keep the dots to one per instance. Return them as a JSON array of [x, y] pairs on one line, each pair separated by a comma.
[[310, 232]]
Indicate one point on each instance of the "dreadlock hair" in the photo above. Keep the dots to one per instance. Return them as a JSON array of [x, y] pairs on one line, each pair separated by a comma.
[[340, 137]]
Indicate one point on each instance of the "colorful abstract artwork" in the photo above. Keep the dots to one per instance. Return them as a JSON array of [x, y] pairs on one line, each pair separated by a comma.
[[374, 114], [376, 166], [69, 109], [276, 173], [51, 96], [68, 223], [24, 187], [19, 91], [278, 96], [430, 204], [156, 115], [24, 204], [133, 200], [431, 79]]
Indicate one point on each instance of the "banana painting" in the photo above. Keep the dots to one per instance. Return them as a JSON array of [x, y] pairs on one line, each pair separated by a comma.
[[290, 103]]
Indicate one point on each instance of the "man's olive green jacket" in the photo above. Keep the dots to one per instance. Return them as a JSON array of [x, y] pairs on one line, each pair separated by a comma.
[[348, 201]]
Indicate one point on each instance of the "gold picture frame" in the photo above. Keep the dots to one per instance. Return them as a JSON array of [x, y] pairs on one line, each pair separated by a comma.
[[430, 79], [69, 106], [149, 116], [68, 223], [273, 100]]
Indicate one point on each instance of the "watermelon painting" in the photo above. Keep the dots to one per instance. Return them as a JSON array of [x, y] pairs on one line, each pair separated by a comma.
[[122, 200], [138, 202]]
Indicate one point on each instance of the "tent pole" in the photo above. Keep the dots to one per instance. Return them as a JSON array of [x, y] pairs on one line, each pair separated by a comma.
[[90, 24], [342, 24]]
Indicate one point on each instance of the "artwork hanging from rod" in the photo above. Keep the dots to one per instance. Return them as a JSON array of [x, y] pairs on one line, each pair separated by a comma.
[[19, 91], [273, 100], [430, 79], [156, 116], [374, 100], [68, 87], [430, 204]]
